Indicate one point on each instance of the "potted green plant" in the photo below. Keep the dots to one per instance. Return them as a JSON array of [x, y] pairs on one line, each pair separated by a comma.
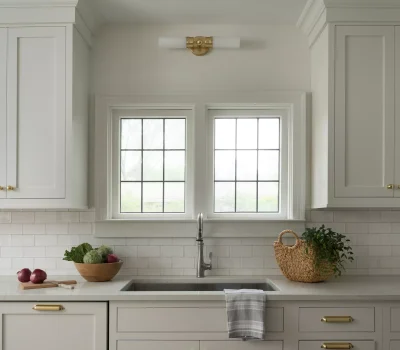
[[319, 254]]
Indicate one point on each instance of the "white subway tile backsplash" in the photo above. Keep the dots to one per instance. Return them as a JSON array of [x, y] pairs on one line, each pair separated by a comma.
[[171, 251], [22, 217], [38, 239], [22, 240], [33, 229], [45, 240]]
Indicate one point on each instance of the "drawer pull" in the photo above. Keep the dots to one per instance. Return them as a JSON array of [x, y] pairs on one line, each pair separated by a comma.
[[337, 346], [40, 307], [337, 319]]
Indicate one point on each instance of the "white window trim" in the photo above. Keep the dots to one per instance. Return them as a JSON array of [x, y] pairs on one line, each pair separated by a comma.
[[293, 102], [150, 112], [243, 111]]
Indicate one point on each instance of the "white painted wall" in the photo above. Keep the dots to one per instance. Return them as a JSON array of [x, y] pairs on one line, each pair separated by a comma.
[[127, 60]]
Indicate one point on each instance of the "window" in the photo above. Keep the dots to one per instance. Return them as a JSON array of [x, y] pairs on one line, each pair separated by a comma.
[[249, 163], [150, 166]]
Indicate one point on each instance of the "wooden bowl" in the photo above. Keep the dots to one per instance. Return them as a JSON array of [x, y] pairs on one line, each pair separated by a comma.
[[98, 272]]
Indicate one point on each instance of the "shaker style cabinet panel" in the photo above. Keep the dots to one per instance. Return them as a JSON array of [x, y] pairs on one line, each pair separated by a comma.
[[44, 85], [157, 345], [356, 117], [336, 345], [364, 111], [80, 326], [3, 111], [36, 112], [241, 345]]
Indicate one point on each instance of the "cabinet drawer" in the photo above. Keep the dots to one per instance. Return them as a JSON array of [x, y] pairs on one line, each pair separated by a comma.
[[357, 344], [395, 345], [241, 345], [188, 319], [395, 319], [157, 345], [310, 319]]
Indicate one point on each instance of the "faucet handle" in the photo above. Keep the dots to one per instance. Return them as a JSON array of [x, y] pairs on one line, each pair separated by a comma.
[[210, 256]]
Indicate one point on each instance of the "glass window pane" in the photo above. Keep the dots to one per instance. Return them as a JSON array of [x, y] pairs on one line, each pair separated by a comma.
[[152, 197], [174, 165], [131, 197], [131, 165], [131, 133], [224, 197], [246, 196], [225, 133], [175, 133], [268, 165], [152, 165], [247, 133], [246, 165], [268, 196], [153, 134], [224, 165], [174, 197], [268, 133]]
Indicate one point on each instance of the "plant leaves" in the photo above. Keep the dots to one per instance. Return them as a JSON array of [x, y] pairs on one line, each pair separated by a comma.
[[77, 253]]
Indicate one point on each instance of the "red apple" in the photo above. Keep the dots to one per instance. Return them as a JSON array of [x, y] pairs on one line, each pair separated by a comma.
[[112, 258]]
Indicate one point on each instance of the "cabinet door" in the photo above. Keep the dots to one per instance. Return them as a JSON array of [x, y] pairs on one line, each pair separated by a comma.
[[355, 345], [80, 326], [36, 123], [241, 345], [364, 111], [3, 109], [397, 109]]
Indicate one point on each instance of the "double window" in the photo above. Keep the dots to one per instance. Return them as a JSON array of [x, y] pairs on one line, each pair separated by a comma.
[[244, 174]]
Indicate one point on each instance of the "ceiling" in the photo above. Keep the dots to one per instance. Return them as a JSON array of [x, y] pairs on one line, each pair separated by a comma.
[[200, 11]]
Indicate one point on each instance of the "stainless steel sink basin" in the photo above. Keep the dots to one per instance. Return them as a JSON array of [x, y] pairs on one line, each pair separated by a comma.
[[135, 286]]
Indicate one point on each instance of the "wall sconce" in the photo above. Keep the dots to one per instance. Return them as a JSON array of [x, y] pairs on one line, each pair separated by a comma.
[[199, 45]]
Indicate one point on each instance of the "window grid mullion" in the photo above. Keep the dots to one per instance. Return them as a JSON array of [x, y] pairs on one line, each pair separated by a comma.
[[258, 119], [235, 163], [141, 169], [163, 182]]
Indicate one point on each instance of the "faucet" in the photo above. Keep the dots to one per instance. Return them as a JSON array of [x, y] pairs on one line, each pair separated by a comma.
[[200, 264]]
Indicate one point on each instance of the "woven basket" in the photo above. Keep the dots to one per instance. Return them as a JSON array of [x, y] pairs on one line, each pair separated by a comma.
[[296, 264]]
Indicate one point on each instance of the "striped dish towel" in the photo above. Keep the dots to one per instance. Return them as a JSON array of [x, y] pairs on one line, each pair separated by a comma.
[[246, 311]]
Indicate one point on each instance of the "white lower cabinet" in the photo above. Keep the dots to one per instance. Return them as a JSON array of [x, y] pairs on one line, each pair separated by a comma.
[[78, 326], [157, 345], [338, 344], [241, 345]]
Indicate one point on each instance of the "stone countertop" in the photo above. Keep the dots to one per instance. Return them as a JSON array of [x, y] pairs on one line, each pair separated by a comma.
[[351, 288]]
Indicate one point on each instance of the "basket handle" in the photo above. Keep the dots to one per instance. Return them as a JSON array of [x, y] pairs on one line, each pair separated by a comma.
[[293, 233]]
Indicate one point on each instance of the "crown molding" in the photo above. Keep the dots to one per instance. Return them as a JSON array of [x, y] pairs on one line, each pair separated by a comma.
[[318, 13]]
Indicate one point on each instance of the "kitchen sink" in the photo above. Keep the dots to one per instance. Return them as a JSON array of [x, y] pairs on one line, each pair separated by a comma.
[[135, 286]]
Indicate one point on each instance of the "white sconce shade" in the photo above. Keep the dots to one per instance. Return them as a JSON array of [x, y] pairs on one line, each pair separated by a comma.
[[199, 45]]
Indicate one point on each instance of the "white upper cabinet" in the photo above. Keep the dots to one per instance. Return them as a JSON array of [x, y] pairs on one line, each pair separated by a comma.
[[44, 158], [36, 112], [355, 125], [3, 111], [364, 111]]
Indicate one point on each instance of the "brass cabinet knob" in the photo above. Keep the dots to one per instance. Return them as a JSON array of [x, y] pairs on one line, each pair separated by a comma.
[[10, 188], [389, 187], [2, 188]]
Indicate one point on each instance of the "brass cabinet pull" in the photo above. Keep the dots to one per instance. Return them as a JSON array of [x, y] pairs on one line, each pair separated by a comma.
[[41, 307], [2, 188], [10, 188], [389, 187], [337, 319], [337, 346]]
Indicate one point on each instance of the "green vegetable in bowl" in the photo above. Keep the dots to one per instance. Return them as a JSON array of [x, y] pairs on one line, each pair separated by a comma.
[[77, 253], [93, 257], [104, 252]]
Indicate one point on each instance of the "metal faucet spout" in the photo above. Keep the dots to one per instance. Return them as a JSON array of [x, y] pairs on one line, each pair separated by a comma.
[[201, 266]]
